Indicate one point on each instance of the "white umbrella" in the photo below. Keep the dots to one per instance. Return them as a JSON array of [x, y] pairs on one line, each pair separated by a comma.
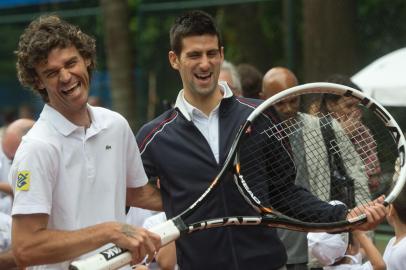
[[385, 79]]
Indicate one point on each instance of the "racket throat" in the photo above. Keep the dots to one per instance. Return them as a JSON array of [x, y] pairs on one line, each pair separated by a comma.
[[223, 222], [246, 193]]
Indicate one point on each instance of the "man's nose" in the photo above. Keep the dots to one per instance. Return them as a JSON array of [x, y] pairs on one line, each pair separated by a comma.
[[64, 75], [205, 62]]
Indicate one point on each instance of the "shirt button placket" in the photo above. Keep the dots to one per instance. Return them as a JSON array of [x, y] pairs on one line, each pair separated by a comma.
[[89, 162]]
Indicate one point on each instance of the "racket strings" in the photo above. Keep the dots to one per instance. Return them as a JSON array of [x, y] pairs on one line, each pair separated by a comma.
[[364, 144], [294, 151]]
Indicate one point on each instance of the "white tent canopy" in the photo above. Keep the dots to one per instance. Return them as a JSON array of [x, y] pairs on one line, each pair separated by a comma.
[[385, 79]]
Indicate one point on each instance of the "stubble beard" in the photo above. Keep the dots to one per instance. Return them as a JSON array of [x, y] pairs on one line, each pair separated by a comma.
[[203, 91]]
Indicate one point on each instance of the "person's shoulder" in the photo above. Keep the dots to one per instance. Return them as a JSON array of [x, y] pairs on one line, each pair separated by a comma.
[[37, 148], [248, 105], [40, 135], [249, 102], [111, 120], [154, 127], [390, 243], [160, 121], [107, 114], [401, 242]]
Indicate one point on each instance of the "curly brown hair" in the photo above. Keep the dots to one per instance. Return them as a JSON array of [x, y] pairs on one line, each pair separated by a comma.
[[40, 37]]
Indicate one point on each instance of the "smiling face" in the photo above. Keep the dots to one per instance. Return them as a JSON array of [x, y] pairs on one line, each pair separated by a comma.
[[199, 64], [65, 77]]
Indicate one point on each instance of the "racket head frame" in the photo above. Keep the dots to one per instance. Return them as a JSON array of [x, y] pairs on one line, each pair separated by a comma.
[[271, 217]]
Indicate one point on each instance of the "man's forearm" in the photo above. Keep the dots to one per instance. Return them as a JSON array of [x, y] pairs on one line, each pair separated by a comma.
[[34, 244], [147, 197], [50, 246]]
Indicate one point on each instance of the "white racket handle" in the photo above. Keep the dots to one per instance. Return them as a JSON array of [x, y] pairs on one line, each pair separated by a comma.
[[115, 257], [109, 259]]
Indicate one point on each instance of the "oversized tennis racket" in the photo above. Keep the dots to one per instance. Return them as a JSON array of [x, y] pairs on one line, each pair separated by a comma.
[[289, 165]]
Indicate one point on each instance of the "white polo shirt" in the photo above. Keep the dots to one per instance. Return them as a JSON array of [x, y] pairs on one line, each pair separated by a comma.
[[77, 177]]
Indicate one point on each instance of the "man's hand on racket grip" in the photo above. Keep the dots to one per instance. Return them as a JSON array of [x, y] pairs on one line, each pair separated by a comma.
[[375, 212], [138, 241]]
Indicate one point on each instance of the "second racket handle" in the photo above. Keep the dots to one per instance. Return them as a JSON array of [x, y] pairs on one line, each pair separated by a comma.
[[167, 231], [109, 259]]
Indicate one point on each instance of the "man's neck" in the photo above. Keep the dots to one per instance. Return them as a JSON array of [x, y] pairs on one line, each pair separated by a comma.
[[80, 118], [205, 103]]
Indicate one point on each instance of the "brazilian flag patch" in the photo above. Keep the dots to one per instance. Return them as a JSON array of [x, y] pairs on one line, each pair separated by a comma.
[[23, 180]]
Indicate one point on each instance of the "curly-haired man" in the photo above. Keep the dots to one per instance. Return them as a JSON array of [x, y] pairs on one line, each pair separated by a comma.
[[79, 166]]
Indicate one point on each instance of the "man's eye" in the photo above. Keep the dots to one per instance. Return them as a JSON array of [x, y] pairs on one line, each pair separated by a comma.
[[212, 54], [51, 74], [71, 64]]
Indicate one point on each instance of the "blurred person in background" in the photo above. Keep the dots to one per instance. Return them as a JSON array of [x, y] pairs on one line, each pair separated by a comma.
[[360, 135], [8, 116], [12, 137], [276, 80], [289, 110], [95, 101], [229, 74], [26, 111], [346, 251], [251, 80]]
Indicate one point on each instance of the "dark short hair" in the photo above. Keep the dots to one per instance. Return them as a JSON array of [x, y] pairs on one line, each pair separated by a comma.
[[192, 23], [40, 37], [251, 80]]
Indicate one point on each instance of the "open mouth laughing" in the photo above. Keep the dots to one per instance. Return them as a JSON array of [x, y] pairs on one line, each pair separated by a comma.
[[203, 77], [70, 89]]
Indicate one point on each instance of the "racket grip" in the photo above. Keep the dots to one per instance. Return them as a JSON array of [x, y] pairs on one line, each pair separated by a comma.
[[115, 257], [168, 231], [109, 259]]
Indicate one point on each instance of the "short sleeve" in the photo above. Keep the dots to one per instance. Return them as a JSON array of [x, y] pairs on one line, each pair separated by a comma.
[[33, 176]]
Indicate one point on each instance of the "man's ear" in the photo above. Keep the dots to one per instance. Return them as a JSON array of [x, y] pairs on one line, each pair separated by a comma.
[[173, 60], [88, 62], [222, 54]]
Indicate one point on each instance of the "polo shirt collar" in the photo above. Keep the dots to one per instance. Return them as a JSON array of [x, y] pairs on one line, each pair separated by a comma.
[[187, 110], [66, 127]]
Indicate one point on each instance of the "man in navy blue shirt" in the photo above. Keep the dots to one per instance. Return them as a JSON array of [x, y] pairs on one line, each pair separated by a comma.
[[186, 146]]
